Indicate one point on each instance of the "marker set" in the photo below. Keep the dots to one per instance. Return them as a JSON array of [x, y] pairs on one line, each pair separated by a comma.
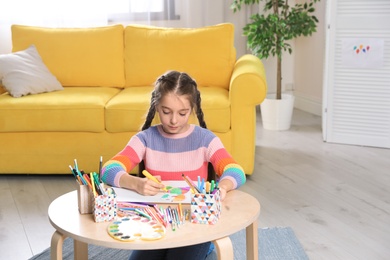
[[205, 208], [205, 201], [207, 187], [92, 180], [93, 197], [202, 186], [169, 216]]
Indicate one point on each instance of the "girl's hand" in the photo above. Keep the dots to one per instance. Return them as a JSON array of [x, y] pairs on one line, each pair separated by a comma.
[[148, 187], [224, 187], [222, 193]]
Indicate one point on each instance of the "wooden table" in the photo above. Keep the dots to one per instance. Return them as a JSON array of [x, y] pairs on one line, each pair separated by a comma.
[[239, 210]]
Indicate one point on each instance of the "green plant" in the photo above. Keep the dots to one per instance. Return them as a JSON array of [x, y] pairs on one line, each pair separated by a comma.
[[270, 33]]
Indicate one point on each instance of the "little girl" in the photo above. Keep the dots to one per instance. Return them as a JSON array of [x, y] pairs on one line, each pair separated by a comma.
[[170, 149]]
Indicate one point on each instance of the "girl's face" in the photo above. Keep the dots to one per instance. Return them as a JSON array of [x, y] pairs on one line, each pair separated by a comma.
[[174, 112]]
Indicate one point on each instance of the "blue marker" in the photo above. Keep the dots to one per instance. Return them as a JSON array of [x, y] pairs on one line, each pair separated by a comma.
[[202, 186], [75, 165]]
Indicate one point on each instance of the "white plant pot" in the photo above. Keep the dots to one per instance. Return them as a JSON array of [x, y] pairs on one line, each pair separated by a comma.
[[276, 114]]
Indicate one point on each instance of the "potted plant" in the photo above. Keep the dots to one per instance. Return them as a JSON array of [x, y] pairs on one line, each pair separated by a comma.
[[268, 34]]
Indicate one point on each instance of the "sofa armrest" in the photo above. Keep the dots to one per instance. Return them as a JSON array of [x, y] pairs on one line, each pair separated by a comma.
[[248, 85], [248, 88]]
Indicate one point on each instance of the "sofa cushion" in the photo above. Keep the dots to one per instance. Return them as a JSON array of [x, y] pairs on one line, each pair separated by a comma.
[[206, 53], [73, 109], [216, 108], [77, 56], [24, 73], [127, 111]]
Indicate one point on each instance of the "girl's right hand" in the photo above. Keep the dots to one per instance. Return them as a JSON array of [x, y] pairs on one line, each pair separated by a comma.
[[148, 187]]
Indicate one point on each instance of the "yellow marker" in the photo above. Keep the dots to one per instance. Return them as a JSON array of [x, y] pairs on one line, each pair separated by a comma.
[[152, 178], [93, 184], [181, 213]]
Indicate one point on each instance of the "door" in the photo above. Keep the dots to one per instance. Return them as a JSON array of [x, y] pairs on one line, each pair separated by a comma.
[[356, 104]]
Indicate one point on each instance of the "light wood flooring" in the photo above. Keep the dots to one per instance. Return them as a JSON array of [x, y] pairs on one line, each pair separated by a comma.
[[335, 197]]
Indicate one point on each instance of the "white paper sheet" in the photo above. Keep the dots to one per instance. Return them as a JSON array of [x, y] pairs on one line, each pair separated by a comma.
[[161, 197], [362, 52]]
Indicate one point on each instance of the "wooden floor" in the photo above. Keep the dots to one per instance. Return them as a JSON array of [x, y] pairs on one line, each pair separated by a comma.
[[335, 197]]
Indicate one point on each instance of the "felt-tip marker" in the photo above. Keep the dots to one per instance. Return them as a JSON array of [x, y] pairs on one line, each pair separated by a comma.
[[152, 178]]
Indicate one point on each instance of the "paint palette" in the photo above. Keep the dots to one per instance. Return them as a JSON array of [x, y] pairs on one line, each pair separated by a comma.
[[132, 228]]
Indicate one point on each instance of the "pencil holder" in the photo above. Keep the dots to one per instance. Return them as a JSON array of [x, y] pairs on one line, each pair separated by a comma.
[[105, 206], [205, 208], [84, 199]]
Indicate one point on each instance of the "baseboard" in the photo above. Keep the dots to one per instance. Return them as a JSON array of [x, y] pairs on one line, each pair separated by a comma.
[[308, 104], [305, 103]]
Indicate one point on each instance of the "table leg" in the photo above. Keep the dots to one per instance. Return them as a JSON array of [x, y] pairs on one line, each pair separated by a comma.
[[252, 239], [224, 248], [57, 240], [80, 250]]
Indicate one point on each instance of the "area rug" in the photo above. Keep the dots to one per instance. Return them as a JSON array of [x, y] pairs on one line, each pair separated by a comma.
[[277, 243]]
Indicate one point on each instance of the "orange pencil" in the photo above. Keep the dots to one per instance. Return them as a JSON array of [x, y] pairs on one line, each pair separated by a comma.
[[87, 180]]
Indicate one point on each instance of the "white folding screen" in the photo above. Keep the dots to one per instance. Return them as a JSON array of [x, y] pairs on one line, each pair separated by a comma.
[[356, 104]]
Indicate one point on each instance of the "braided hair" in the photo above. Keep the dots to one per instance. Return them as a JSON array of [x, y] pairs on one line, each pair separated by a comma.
[[179, 83]]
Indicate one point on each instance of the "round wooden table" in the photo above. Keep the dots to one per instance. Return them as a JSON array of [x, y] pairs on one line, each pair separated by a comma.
[[239, 210]]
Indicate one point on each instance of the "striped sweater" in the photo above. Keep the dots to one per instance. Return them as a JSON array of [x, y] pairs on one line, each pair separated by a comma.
[[171, 155]]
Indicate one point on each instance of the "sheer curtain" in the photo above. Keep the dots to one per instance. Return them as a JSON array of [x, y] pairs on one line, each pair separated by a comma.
[[168, 13], [89, 13], [54, 13], [49, 13]]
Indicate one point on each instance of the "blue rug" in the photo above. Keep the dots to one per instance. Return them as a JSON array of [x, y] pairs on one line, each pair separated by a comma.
[[278, 243]]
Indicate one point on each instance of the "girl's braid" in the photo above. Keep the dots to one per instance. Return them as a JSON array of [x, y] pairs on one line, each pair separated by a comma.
[[151, 112], [199, 111], [211, 175]]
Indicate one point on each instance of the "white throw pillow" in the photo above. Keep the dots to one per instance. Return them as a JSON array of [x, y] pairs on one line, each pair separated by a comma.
[[24, 73]]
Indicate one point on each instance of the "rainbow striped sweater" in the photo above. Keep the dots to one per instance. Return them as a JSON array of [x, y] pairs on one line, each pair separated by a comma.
[[172, 155]]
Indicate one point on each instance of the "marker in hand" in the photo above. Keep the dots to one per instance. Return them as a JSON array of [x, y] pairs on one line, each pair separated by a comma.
[[152, 178]]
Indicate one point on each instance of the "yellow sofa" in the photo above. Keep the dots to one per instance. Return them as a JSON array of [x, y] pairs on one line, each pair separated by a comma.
[[107, 74]]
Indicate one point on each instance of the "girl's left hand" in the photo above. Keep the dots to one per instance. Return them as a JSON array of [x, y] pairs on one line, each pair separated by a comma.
[[222, 193], [224, 187]]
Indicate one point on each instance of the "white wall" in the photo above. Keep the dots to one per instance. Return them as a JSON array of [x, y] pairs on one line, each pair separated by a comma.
[[5, 38], [309, 66]]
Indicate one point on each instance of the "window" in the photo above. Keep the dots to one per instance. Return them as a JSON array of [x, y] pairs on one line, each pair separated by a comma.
[[141, 10]]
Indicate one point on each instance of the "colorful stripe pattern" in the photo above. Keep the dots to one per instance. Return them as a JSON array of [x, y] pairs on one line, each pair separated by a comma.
[[171, 155]]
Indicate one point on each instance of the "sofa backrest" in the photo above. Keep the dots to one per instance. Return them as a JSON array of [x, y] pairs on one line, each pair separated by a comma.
[[207, 53], [77, 56], [114, 56]]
